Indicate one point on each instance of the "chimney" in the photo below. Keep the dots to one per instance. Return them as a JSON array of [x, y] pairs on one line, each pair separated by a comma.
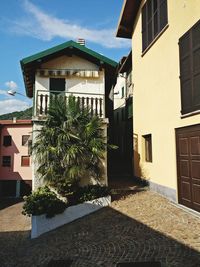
[[14, 119], [81, 41]]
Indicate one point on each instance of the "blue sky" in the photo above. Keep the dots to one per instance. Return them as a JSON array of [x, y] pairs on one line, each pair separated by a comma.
[[30, 26]]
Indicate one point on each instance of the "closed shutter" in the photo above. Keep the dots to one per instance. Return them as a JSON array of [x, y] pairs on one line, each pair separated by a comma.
[[154, 19], [144, 27], [189, 47], [185, 73], [149, 21], [163, 18], [196, 65]]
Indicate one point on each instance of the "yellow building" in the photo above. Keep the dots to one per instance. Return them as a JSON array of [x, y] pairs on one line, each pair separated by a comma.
[[166, 94]]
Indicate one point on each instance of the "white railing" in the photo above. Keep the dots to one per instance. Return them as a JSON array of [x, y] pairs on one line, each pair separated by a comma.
[[93, 102]]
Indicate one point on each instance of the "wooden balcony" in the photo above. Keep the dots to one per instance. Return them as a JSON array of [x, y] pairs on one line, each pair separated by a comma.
[[93, 102]]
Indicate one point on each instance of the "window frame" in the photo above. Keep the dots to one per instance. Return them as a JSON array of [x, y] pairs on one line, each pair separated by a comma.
[[23, 165], [54, 89], [3, 162], [4, 139], [26, 143], [148, 155], [123, 92], [148, 22]]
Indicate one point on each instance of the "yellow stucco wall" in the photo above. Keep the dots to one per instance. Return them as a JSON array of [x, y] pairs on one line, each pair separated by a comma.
[[156, 93]]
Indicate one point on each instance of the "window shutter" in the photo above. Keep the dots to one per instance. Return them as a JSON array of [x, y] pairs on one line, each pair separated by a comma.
[[185, 73], [196, 65], [149, 21], [163, 14], [189, 48], [154, 19], [144, 27]]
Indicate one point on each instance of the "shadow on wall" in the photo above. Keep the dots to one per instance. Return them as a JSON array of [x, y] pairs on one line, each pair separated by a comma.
[[106, 236], [139, 172]]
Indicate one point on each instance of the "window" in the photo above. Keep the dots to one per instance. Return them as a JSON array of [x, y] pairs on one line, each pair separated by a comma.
[[129, 79], [6, 161], [123, 92], [7, 140], [25, 161], [57, 85], [29, 146], [189, 50], [129, 105], [154, 19], [148, 147], [25, 140]]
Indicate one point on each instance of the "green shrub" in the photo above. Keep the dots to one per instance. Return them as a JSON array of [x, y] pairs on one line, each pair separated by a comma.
[[43, 201], [91, 192]]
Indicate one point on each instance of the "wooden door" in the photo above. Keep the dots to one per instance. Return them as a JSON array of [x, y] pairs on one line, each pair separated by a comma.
[[188, 164]]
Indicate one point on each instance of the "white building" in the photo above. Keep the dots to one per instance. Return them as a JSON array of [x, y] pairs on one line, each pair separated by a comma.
[[70, 69]]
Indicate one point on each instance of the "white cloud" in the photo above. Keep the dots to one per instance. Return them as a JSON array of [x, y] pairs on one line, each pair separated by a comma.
[[11, 85], [3, 92], [10, 105], [46, 27]]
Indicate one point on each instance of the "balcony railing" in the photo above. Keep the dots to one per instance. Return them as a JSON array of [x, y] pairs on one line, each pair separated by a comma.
[[93, 102]]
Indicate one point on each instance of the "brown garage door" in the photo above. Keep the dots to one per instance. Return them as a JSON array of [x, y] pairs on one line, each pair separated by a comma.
[[188, 163]]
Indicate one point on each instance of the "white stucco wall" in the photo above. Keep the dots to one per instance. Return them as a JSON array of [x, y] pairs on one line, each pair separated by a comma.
[[119, 101], [90, 85], [85, 85], [41, 224]]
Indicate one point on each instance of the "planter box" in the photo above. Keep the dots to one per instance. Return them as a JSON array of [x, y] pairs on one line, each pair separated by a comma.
[[41, 224]]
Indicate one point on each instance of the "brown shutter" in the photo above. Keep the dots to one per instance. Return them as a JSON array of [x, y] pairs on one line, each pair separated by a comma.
[[185, 72], [163, 14], [144, 27], [189, 47], [149, 21], [154, 19], [196, 65]]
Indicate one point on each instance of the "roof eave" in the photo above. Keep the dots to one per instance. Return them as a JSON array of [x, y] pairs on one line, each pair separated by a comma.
[[30, 61], [127, 64], [127, 18]]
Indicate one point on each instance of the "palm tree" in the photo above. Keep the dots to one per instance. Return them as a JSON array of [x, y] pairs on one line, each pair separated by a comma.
[[70, 145]]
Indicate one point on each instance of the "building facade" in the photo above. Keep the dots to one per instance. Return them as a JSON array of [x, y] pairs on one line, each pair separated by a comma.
[[15, 166], [70, 69], [166, 75], [123, 119]]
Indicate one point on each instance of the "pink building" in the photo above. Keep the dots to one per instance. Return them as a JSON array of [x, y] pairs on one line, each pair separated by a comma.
[[15, 162]]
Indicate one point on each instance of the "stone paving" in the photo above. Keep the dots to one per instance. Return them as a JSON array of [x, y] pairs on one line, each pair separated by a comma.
[[140, 227]]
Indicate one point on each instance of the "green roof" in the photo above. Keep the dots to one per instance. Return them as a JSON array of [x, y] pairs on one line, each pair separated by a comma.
[[65, 45], [30, 64]]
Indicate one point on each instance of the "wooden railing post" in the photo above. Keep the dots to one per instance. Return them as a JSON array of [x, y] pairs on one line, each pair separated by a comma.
[[92, 109], [46, 104], [41, 104], [96, 106]]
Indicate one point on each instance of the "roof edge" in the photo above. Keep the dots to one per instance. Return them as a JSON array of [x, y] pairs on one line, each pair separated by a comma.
[[58, 48], [127, 18]]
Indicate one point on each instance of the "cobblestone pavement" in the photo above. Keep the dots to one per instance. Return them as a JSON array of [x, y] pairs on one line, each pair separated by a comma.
[[141, 227]]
